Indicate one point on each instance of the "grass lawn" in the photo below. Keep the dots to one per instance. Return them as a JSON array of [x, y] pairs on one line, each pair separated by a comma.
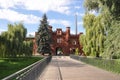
[[11, 65]]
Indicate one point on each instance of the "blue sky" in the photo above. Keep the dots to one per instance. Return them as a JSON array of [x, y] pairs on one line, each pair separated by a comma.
[[60, 13]]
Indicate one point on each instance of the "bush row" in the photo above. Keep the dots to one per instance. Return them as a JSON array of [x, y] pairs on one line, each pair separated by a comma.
[[107, 64]]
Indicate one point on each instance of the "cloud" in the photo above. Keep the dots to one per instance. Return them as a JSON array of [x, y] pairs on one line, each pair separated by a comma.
[[77, 7], [30, 34], [61, 6], [79, 14], [72, 31], [14, 16], [6, 3], [63, 22], [48, 5], [80, 23]]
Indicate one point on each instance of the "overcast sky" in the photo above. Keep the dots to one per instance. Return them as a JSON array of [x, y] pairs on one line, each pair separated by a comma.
[[60, 13]]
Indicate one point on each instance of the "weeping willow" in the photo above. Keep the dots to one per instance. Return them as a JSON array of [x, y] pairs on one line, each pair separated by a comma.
[[12, 42]]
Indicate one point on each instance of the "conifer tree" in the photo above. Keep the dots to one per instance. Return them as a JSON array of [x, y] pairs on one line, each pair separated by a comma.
[[43, 37]]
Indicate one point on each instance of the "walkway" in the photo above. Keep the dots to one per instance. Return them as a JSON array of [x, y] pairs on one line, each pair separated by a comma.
[[65, 68]]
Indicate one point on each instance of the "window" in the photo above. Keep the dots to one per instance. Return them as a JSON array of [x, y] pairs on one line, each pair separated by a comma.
[[74, 42], [59, 32], [59, 40]]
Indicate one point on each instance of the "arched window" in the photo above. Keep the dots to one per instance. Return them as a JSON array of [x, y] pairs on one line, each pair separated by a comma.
[[74, 42]]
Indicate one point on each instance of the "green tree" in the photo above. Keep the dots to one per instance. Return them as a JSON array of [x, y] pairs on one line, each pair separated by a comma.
[[12, 41], [93, 40], [112, 43], [101, 5], [44, 37], [105, 27], [27, 48], [86, 39], [76, 51], [91, 5], [2, 46]]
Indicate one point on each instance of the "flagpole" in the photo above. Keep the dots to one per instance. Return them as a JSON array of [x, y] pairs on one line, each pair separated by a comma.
[[76, 23]]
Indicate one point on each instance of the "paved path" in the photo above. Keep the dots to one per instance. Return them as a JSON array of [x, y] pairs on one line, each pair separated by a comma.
[[65, 68]]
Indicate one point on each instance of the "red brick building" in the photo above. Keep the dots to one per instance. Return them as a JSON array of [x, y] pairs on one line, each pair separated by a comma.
[[62, 40]]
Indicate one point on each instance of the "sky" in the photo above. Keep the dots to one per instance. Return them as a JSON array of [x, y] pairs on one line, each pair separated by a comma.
[[60, 14]]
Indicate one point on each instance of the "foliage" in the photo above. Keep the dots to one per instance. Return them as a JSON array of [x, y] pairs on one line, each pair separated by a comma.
[[43, 37], [102, 31], [91, 5], [112, 43], [101, 5], [27, 48], [110, 65], [77, 51], [93, 40], [11, 65], [12, 44]]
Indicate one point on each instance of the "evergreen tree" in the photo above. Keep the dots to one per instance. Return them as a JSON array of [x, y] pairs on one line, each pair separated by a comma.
[[43, 37]]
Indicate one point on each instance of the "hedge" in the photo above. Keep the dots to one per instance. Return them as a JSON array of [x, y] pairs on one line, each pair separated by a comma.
[[107, 64]]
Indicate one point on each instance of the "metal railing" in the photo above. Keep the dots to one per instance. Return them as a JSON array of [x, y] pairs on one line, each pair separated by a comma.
[[31, 72]]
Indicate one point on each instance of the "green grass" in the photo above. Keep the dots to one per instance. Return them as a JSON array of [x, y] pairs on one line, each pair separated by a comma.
[[11, 65], [109, 65]]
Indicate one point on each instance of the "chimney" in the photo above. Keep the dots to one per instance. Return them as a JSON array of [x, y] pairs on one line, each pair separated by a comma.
[[50, 28], [67, 33], [68, 30]]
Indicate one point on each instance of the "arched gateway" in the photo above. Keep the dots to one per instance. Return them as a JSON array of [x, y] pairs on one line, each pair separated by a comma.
[[59, 51], [64, 40]]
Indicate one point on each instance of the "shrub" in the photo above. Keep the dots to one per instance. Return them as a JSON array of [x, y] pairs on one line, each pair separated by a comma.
[[107, 64]]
